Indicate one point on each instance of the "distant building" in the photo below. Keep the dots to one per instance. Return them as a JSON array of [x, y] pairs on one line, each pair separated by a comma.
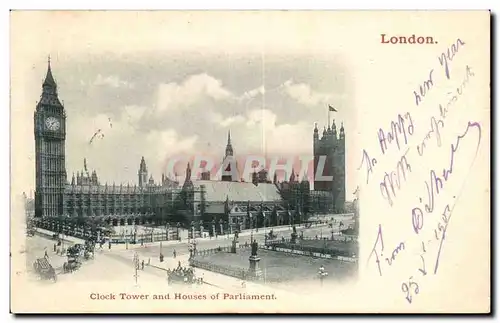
[[29, 206]]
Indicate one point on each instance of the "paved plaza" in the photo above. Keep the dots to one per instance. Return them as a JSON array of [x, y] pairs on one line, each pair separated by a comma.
[[116, 264], [278, 267]]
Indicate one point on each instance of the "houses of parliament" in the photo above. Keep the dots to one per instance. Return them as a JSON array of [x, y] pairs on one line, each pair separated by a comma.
[[84, 195]]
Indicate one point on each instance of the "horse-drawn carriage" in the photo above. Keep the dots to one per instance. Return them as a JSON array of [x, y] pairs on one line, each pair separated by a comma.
[[182, 276], [44, 269], [271, 235], [31, 232], [89, 249], [73, 262], [71, 265]]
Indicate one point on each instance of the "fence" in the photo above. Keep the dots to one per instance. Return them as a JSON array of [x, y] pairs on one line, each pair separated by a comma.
[[86, 233], [143, 238], [207, 252], [336, 237], [285, 245], [228, 271], [312, 252]]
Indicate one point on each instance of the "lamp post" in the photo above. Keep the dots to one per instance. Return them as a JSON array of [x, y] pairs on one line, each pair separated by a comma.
[[251, 228], [265, 229], [126, 239], [161, 252], [136, 267]]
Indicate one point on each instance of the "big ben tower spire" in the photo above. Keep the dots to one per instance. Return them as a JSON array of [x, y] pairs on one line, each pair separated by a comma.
[[50, 136]]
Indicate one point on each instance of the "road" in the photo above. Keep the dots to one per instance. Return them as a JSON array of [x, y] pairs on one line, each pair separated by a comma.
[[117, 264], [182, 248], [106, 267]]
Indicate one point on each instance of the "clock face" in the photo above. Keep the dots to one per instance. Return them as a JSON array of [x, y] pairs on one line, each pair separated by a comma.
[[52, 123]]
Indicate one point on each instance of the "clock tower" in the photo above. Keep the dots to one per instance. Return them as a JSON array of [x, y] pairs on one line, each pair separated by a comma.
[[50, 136]]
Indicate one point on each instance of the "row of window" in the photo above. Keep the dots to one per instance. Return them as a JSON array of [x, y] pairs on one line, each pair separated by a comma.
[[51, 147], [116, 200]]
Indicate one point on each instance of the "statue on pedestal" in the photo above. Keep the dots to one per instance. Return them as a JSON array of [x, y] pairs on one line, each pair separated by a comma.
[[254, 270], [213, 232], [255, 246], [235, 243], [221, 226], [294, 235]]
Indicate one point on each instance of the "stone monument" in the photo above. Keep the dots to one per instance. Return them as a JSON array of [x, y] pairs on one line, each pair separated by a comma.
[[254, 272], [294, 235], [235, 243]]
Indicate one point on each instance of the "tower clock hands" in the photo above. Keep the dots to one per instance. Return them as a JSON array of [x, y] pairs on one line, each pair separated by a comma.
[[52, 123]]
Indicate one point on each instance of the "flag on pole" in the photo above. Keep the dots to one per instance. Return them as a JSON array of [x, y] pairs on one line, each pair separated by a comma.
[[332, 108]]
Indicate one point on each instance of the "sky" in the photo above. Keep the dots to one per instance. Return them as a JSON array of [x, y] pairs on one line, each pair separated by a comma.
[[160, 102]]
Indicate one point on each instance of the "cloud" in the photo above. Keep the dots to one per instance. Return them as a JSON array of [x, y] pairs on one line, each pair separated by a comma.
[[261, 90], [116, 152], [304, 94], [260, 132], [232, 121], [132, 114], [167, 143], [112, 81], [262, 123], [218, 119], [193, 89], [261, 118]]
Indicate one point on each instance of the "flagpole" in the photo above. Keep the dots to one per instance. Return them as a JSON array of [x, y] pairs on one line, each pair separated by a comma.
[[328, 116]]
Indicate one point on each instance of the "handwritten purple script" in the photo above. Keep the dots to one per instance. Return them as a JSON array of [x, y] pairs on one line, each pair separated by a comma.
[[416, 151]]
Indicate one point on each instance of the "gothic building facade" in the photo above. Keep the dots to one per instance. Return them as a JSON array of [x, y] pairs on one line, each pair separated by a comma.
[[85, 196], [229, 198], [329, 160], [224, 198]]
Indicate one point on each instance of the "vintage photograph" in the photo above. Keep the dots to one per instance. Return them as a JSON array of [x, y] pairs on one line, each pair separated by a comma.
[[166, 162]]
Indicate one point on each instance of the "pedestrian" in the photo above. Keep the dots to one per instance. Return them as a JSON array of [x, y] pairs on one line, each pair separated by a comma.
[[142, 264], [46, 255], [55, 247], [175, 254]]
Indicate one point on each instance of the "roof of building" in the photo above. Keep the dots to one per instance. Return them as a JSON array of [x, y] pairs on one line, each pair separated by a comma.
[[238, 191], [116, 189]]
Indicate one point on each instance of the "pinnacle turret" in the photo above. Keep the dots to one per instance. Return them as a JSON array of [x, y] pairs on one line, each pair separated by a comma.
[[229, 146]]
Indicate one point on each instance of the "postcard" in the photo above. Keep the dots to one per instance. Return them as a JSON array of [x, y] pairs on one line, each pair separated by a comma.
[[250, 162]]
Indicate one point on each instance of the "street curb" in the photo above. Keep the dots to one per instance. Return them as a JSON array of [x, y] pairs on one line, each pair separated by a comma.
[[45, 235], [157, 267]]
